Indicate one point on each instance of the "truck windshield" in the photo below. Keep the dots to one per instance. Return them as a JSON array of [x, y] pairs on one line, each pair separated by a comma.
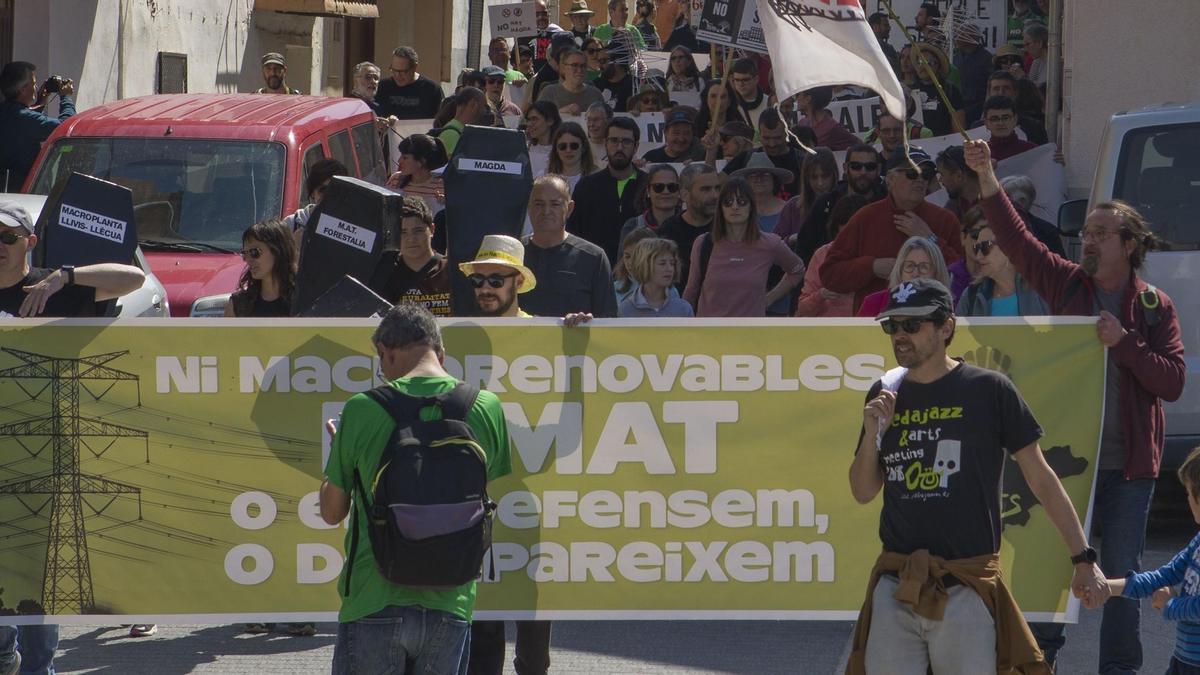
[[188, 195], [1159, 174]]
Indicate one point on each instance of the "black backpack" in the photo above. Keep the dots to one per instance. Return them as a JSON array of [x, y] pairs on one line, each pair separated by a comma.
[[429, 517]]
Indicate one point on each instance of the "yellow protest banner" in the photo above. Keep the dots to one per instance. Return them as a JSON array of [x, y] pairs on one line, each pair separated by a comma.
[[167, 470]]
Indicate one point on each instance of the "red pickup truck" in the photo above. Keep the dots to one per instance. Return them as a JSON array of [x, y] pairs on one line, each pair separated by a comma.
[[203, 167]]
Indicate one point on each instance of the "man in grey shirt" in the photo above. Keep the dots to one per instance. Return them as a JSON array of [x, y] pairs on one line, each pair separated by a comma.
[[572, 93], [574, 273]]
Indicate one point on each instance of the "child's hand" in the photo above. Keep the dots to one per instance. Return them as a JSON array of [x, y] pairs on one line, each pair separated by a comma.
[[1161, 596]]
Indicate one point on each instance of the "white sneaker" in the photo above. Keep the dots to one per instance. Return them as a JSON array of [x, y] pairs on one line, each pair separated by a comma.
[[143, 630]]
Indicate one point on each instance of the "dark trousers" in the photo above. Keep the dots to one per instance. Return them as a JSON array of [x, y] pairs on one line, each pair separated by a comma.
[[1121, 508], [532, 649]]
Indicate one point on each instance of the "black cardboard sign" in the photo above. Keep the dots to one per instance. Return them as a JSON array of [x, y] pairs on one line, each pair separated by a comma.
[[345, 235], [487, 187], [348, 299], [85, 221]]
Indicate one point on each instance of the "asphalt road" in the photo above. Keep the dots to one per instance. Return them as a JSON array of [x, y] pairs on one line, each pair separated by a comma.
[[597, 647]]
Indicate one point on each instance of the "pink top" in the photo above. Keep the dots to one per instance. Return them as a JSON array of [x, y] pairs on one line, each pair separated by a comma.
[[873, 304], [812, 302], [736, 281]]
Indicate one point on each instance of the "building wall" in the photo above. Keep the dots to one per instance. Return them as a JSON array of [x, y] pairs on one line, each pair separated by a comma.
[[1119, 58], [110, 47]]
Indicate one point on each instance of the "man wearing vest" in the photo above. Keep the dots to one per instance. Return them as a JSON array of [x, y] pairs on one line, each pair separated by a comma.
[[936, 598], [1140, 329], [382, 625]]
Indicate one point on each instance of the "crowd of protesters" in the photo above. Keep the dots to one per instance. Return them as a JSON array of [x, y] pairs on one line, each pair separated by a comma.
[[745, 211]]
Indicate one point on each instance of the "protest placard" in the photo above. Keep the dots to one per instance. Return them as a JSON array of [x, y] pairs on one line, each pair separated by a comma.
[[515, 20]]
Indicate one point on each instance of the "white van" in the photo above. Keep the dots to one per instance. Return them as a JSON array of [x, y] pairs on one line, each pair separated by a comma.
[[1150, 158]]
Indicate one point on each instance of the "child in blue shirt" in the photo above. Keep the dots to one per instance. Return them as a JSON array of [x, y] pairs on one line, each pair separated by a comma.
[[1182, 605]]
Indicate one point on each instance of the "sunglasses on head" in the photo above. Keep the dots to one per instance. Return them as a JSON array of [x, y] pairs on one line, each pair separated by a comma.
[[660, 188], [252, 253], [984, 247], [10, 237], [910, 326], [493, 280], [735, 201], [863, 166], [568, 145]]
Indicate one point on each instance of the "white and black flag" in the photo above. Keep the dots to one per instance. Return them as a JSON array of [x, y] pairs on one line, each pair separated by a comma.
[[826, 42]]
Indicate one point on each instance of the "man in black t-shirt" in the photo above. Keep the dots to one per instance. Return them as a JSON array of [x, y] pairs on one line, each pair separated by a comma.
[[415, 273], [934, 439], [66, 292], [406, 95], [700, 187]]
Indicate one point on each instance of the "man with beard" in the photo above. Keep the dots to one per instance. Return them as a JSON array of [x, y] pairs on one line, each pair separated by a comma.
[[861, 258], [773, 136], [540, 43], [861, 170], [406, 94], [498, 274], [936, 599], [366, 83], [274, 72], [881, 26], [607, 198], [575, 274], [1139, 326], [700, 188], [960, 182]]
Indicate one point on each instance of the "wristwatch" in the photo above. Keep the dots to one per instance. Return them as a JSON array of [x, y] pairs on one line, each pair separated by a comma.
[[1087, 555], [69, 270]]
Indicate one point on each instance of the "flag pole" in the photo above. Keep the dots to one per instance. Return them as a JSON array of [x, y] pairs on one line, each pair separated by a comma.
[[928, 71]]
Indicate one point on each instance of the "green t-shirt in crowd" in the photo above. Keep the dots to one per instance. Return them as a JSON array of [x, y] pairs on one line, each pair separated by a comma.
[[604, 32], [359, 443], [451, 133]]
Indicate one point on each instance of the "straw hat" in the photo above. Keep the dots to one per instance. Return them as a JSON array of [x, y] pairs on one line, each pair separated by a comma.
[[500, 249], [760, 163], [579, 8], [937, 60]]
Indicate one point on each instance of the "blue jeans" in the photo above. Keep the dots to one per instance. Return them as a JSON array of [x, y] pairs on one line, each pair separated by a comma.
[[403, 640], [1121, 510], [37, 645]]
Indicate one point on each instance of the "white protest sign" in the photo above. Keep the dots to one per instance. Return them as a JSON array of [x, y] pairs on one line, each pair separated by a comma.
[[1048, 176], [345, 233], [517, 20], [990, 15], [95, 224]]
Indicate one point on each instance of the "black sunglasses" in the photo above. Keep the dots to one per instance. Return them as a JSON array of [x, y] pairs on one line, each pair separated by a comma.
[[910, 326], [11, 238], [660, 188], [735, 201], [568, 145], [863, 166], [493, 280], [983, 247], [252, 253]]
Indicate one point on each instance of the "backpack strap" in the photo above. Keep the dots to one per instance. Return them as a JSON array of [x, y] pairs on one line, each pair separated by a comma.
[[1150, 303], [457, 402], [405, 409], [357, 494]]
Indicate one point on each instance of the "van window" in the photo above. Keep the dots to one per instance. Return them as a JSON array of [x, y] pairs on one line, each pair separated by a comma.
[[370, 155], [188, 195], [311, 156], [340, 148], [1159, 174]]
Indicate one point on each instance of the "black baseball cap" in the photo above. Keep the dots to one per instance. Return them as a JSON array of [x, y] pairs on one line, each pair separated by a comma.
[[919, 297], [680, 115], [898, 160]]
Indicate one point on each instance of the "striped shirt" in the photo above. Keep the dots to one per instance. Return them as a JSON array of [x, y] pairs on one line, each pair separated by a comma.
[[1182, 571]]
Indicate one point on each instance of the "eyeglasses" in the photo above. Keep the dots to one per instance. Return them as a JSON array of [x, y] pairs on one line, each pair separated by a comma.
[[9, 238], [1097, 234], [624, 142], [910, 326], [984, 247], [399, 71], [669, 188], [862, 166], [995, 119], [568, 145], [575, 66], [923, 267], [1008, 60], [735, 201], [493, 280], [539, 14], [252, 253]]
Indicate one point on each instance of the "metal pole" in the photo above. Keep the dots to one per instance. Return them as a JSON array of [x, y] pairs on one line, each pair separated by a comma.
[[1054, 71]]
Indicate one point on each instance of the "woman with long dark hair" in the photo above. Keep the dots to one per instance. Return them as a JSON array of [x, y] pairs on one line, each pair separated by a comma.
[[571, 154], [733, 279], [715, 96], [541, 122], [420, 156], [684, 83], [265, 288]]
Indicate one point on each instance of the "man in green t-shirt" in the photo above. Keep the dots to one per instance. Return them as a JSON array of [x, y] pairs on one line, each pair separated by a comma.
[[383, 625]]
